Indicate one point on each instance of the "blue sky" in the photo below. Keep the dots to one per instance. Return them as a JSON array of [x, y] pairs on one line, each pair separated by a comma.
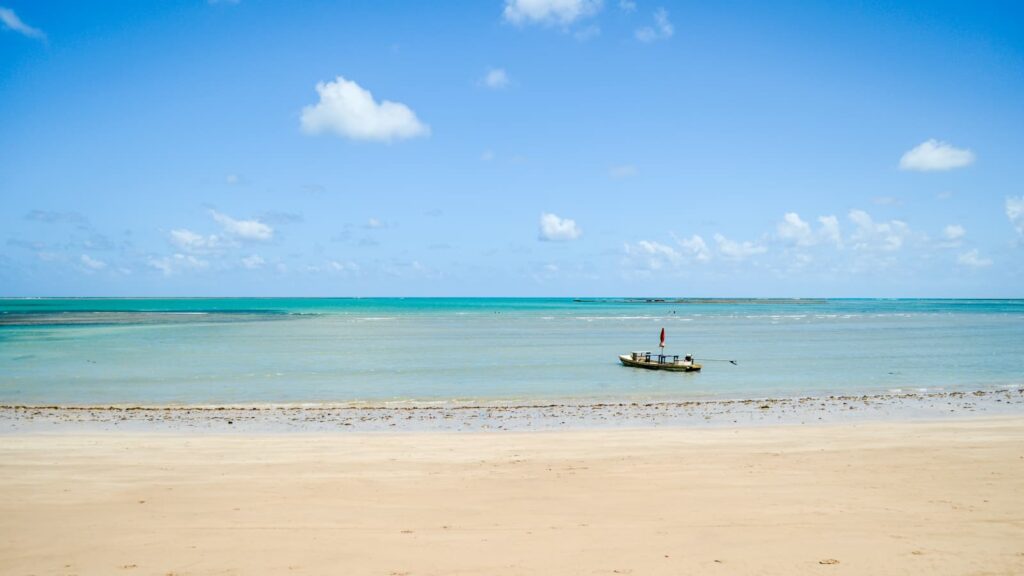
[[516, 147]]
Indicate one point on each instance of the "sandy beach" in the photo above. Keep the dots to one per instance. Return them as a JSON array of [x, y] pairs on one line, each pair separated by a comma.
[[935, 497]]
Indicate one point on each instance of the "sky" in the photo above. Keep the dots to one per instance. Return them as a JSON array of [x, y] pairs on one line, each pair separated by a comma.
[[512, 148]]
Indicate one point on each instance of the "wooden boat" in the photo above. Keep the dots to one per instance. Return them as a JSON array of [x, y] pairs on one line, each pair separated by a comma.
[[660, 362]]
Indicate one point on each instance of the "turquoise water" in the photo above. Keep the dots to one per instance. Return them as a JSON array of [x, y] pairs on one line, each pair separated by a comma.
[[231, 351]]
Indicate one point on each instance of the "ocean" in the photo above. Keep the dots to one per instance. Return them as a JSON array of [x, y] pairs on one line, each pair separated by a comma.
[[383, 351]]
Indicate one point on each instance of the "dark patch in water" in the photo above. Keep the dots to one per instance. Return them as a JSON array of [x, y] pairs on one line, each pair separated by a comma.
[[96, 318]]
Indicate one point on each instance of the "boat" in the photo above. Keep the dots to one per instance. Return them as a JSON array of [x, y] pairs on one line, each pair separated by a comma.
[[660, 362]]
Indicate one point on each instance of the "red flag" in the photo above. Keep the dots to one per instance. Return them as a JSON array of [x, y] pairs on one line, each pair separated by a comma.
[[662, 338]]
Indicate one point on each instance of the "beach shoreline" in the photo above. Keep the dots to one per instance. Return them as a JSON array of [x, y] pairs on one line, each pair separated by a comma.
[[469, 417], [936, 497]]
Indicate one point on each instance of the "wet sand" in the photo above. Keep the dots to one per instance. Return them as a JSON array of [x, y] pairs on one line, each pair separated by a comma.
[[923, 497], [498, 416]]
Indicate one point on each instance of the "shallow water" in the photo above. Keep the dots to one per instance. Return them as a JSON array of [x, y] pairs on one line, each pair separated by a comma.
[[231, 351]]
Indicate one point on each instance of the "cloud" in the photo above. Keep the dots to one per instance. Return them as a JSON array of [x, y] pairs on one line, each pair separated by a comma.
[[548, 12], [243, 229], [171, 265], [738, 250], [952, 236], [954, 232], [627, 5], [795, 230], [350, 267], [348, 110], [555, 229], [55, 217], [652, 255], [870, 235], [375, 224], [830, 230], [190, 241], [622, 171], [695, 247], [934, 155], [495, 79], [253, 262], [1015, 212], [11, 21], [972, 259], [92, 264], [662, 29]]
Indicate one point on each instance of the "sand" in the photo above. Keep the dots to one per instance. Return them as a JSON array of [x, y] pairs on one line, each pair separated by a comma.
[[460, 416], [941, 497]]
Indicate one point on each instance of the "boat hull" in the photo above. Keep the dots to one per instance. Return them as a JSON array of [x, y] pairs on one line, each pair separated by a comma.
[[628, 361]]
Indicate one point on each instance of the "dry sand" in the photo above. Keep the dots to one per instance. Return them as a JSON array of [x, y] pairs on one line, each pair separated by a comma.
[[884, 498]]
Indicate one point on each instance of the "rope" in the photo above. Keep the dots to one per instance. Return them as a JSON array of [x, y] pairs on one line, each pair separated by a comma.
[[733, 362]]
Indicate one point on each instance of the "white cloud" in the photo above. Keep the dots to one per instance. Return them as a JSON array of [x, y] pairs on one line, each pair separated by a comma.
[[549, 11], [171, 265], [952, 236], [737, 250], [662, 29], [375, 224], [11, 21], [243, 229], [253, 262], [487, 155], [954, 232], [622, 171], [1015, 212], [794, 229], [695, 247], [829, 230], [627, 5], [190, 241], [348, 110], [652, 255], [495, 79], [870, 235], [91, 263], [350, 267], [973, 259], [555, 229], [934, 155]]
